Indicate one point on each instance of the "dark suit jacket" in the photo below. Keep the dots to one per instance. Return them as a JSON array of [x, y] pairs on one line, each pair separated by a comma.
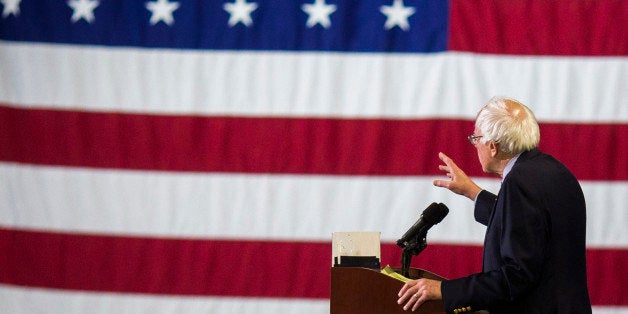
[[534, 248]]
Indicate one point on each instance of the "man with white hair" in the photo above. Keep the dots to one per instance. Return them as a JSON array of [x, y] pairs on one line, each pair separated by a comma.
[[534, 248]]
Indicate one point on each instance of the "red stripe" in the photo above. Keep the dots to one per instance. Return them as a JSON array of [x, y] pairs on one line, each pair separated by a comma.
[[539, 27], [232, 268], [283, 145]]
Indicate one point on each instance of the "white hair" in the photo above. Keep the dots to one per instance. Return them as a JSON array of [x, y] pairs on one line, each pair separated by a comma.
[[509, 123]]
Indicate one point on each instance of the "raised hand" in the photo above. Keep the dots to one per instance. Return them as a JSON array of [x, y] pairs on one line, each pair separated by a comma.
[[458, 182]]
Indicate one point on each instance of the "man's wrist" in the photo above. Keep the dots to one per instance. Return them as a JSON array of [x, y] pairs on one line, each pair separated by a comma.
[[474, 193]]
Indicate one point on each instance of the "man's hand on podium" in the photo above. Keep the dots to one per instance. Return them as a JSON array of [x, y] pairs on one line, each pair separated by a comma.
[[415, 292]]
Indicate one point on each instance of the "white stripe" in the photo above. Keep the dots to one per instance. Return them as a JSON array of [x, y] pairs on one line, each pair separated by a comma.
[[283, 207], [18, 300], [610, 310], [451, 84]]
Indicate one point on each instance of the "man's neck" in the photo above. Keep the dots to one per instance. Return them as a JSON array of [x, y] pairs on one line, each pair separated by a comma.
[[503, 163], [509, 164]]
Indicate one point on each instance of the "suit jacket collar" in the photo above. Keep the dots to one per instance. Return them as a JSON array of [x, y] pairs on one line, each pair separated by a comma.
[[527, 155]]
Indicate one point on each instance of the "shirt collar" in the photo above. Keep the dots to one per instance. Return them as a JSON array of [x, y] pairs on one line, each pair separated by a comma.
[[509, 165]]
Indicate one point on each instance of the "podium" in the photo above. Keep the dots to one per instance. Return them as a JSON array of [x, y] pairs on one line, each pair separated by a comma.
[[364, 290]]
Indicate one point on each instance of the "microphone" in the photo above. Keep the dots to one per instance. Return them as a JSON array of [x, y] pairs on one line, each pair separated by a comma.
[[432, 215]]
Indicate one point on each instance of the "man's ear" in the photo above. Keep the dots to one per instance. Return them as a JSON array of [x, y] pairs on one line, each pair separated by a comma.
[[494, 148]]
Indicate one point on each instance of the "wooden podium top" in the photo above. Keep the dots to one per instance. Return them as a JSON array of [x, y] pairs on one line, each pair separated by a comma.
[[363, 290]]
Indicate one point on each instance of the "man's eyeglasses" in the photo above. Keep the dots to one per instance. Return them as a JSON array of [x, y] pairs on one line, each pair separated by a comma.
[[473, 139]]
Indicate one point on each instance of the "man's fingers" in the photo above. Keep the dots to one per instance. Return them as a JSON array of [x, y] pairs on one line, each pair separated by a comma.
[[407, 296], [448, 161], [412, 298], [442, 183], [414, 301], [404, 292], [444, 158], [418, 302], [405, 288]]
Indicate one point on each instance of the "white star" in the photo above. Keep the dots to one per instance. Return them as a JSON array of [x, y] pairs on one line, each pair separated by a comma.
[[83, 9], [162, 11], [397, 15], [318, 13], [10, 7], [240, 11]]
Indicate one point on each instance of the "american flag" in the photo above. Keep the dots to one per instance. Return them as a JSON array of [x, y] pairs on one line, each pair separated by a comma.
[[196, 155]]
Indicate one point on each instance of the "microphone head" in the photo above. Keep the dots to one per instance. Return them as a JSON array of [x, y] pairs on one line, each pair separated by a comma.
[[432, 215], [435, 213]]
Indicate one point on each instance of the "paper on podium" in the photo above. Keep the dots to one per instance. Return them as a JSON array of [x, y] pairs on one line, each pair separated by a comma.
[[359, 243], [390, 272]]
